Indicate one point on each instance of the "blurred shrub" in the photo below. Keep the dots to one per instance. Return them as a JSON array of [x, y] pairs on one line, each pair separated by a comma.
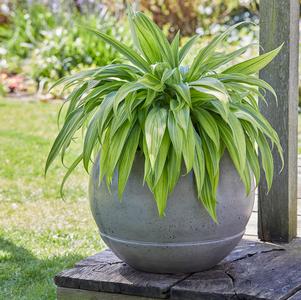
[[24, 29], [191, 16], [47, 45], [3, 90], [44, 41], [177, 15], [70, 47]]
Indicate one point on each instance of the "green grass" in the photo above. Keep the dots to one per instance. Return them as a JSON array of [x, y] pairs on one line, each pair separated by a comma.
[[40, 234]]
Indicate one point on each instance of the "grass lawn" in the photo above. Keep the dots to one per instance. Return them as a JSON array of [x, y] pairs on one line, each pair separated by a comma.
[[40, 234]]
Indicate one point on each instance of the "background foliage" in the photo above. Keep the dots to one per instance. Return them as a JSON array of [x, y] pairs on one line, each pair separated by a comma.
[[41, 39]]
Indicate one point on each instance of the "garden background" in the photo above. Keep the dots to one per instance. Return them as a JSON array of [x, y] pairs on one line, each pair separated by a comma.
[[41, 41]]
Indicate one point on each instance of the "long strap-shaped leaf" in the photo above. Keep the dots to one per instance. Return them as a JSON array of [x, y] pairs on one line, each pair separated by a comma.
[[223, 58], [154, 31], [206, 53], [70, 170], [130, 54], [185, 49], [255, 64], [155, 126], [73, 122], [127, 158]]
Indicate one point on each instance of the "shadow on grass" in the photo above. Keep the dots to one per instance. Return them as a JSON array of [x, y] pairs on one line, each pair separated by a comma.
[[24, 276]]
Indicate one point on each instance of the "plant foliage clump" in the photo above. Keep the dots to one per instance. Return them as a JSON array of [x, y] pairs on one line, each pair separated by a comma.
[[171, 113]]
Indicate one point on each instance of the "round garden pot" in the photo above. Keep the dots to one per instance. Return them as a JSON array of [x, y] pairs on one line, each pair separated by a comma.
[[186, 239]]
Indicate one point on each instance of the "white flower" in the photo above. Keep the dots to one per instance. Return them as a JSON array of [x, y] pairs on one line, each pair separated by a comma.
[[3, 51]]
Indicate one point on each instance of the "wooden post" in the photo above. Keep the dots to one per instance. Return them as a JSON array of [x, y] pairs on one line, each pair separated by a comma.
[[277, 210]]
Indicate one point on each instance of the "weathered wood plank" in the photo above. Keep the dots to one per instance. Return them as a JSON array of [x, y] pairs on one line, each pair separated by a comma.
[[279, 23], [115, 277], [248, 248], [105, 257], [270, 274]]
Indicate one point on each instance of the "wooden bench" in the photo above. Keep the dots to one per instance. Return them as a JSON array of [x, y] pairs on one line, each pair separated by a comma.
[[254, 270]]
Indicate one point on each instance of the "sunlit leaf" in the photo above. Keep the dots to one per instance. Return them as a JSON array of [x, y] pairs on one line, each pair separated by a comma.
[[127, 158], [155, 125], [255, 64]]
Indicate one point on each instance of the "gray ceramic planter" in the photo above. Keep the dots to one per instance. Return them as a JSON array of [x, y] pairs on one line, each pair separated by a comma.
[[186, 239]]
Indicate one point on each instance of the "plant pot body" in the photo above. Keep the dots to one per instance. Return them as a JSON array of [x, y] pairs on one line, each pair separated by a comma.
[[186, 239]]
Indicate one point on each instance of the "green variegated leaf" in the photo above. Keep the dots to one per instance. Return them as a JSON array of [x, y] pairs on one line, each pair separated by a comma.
[[181, 114], [215, 93], [78, 77], [255, 64], [252, 158], [69, 172], [151, 82], [211, 154], [151, 94], [189, 147], [104, 155], [206, 53], [208, 124], [227, 138], [162, 156], [124, 91], [155, 126], [182, 91], [223, 58], [175, 48], [175, 133], [238, 139], [116, 146], [174, 163], [199, 164], [71, 125], [246, 178], [247, 80], [119, 119], [127, 158], [74, 98], [266, 159], [105, 112], [208, 198], [161, 192], [213, 84], [185, 49], [147, 166], [91, 138]]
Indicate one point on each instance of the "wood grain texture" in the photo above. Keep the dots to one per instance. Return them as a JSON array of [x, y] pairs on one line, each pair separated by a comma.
[[105, 272], [105, 257], [279, 23], [270, 274]]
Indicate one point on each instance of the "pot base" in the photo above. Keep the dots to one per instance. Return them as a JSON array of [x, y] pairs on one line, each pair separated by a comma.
[[172, 257]]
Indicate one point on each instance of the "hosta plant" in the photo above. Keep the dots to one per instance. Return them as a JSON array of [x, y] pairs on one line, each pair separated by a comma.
[[172, 114]]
